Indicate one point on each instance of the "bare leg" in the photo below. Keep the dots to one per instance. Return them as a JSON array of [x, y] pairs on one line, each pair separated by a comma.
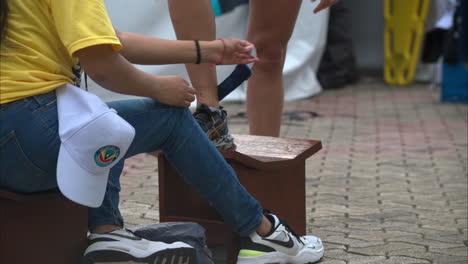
[[194, 19], [270, 27]]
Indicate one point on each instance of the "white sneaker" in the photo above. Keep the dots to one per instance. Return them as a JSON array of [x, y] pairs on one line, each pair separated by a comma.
[[122, 246], [282, 246]]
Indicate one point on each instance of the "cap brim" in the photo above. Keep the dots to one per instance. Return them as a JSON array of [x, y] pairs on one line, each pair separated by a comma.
[[77, 184]]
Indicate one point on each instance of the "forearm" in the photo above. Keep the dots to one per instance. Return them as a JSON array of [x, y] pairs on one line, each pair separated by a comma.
[[113, 72], [140, 49]]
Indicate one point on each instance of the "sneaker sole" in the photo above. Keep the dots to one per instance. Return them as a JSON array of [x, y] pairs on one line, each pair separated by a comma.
[[305, 256], [176, 255]]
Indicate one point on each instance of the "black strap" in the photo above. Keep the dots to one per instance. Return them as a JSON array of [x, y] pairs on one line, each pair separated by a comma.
[[197, 46]]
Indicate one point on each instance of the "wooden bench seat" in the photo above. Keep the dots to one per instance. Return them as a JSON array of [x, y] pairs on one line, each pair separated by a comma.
[[41, 228]]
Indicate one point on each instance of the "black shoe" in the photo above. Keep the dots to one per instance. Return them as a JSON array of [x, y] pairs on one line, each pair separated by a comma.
[[282, 245], [122, 246], [213, 122]]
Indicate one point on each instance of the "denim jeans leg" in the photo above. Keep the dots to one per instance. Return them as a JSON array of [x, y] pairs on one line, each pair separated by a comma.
[[174, 130], [108, 213]]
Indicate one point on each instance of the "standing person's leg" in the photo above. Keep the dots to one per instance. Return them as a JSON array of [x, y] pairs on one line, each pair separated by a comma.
[[270, 27], [194, 20]]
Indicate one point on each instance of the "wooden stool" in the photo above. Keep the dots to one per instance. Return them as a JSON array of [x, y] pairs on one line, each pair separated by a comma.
[[41, 228], [271, 169]]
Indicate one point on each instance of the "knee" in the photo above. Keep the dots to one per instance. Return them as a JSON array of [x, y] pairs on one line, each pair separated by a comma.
[[271, 53]]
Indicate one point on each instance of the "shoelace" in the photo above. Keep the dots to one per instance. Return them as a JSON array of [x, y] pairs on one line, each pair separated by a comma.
[[287, 227], [203, 117], [290, 230]]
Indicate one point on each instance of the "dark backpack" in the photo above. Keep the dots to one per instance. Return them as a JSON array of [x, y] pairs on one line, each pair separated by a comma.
[[187, 232]]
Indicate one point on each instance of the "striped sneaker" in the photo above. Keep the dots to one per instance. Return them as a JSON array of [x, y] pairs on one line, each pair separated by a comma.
[[213, 122], [122, 246], [282, 245]]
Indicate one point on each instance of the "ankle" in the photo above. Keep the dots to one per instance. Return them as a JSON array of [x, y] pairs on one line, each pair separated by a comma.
[[210, 101], [265, 227], [105, 229]]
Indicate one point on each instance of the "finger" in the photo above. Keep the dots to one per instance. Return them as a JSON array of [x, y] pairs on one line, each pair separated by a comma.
[[245, 60], [247, 57], [247, 49], [246, 43], [191, 90], [248, 61], [190, 97], [186, 104]]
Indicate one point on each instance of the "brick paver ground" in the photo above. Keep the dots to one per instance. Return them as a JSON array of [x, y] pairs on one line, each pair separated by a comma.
[[390, 185]]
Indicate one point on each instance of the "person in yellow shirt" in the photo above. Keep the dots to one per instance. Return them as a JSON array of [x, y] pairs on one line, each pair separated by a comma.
[[45, 46]]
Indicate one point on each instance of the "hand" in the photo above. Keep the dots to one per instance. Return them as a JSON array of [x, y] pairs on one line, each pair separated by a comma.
[[235, 51], [323, 5], [174, 90]]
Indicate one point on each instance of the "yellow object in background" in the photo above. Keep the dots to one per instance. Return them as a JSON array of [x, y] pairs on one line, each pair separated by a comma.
[[404, 30]]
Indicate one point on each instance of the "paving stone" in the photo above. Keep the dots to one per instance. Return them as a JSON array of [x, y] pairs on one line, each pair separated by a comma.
[[352, 242], [383, 249], [429, 243], [431, 256], [405, 260], [389, 186], [380, 235], [351, 258], [327, 260], [152, 214], [460, 251]]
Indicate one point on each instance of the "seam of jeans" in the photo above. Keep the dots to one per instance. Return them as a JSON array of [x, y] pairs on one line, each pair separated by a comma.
[[6, 106], [45, 97], [40, 110], [6, 138], [12, 136]]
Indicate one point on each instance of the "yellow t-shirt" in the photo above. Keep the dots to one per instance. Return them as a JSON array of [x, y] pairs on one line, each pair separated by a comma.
[[42, 35]]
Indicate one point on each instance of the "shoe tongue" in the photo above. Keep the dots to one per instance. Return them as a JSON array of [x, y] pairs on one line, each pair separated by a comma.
[[275, 222], [273, 219]]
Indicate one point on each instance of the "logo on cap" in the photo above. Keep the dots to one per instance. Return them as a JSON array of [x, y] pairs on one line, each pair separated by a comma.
[[106, 155]]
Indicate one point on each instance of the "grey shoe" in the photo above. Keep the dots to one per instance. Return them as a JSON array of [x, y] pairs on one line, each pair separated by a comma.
[[213, 122], [122, 246]]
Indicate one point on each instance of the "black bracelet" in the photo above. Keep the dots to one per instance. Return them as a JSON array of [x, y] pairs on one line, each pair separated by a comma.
[[197, 46]]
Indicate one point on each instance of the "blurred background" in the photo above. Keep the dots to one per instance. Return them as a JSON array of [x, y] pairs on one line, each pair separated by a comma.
[[353, 40]]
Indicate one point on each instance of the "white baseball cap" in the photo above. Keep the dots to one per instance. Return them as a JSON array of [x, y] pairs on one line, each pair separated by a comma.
[[94, 138]]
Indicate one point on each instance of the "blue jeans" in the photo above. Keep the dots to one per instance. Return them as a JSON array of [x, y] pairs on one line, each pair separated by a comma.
[[29, 145]]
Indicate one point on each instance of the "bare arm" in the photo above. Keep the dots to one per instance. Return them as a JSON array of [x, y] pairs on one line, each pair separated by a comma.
[[112, 71], [140, 49]]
